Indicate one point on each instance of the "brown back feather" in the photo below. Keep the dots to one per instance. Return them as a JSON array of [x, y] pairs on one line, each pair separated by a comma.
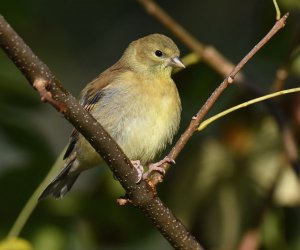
[[92, 93]]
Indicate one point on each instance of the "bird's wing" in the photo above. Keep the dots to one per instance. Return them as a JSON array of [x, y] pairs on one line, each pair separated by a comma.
[[91, 94]]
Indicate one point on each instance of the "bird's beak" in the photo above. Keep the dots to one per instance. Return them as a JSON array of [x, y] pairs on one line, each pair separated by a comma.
[[176, 62]]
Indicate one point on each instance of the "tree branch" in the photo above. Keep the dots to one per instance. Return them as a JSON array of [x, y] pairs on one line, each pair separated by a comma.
[[212, 57], [223, 66], [142, 195]]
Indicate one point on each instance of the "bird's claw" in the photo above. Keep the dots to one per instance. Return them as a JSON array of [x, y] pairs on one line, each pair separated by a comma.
[[158, 167]]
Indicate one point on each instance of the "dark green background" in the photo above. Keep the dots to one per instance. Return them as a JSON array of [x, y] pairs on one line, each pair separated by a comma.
[[220, 179]]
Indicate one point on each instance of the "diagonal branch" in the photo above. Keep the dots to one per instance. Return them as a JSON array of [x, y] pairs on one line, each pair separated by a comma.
[[213, 58], [141, 195], [223, 66]]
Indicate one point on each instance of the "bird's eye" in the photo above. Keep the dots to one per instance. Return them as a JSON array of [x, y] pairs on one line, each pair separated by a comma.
[[158, 53]]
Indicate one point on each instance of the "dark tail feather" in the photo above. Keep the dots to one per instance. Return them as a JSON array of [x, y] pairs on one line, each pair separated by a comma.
[[61, 184]]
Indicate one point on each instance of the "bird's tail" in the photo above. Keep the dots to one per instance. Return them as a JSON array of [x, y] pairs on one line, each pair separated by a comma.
[[61, 184]]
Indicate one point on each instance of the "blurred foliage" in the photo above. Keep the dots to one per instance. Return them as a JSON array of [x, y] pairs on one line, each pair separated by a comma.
[[221, 180], [15, 244]]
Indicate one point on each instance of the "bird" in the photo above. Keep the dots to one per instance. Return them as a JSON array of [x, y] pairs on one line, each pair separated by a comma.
[[137, 103]]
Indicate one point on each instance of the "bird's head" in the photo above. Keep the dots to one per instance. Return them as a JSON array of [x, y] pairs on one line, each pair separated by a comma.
[[153, 54]]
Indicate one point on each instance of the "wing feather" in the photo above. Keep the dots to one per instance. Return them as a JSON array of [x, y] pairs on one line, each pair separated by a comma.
[[92, 94]]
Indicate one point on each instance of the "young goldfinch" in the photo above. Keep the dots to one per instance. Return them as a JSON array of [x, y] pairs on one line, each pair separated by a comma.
[[137, 103]]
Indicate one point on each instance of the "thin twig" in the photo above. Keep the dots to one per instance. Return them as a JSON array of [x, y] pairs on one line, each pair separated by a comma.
[[219, 63], [33, 200], [212, 119], [156, 177], [51, 90], [278, 13], [216, 60], [212, 57], [223, 66]]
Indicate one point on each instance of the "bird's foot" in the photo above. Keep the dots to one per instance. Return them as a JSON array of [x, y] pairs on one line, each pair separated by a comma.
[[158, 167], [139, 168]]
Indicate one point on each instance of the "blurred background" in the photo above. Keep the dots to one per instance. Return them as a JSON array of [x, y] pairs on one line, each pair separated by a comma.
[[234, 176]]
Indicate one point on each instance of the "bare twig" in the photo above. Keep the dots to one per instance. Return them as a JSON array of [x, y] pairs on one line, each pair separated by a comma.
[[223, 66], [51, 90], [156, 177], [278, 13], [212, 119]]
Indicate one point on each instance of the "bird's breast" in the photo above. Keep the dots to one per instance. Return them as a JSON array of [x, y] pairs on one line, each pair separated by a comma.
[[141, 116]]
